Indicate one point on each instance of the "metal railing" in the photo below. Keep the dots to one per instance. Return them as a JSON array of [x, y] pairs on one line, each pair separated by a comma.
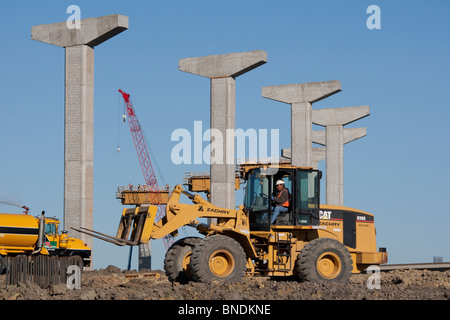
[[139, 188]]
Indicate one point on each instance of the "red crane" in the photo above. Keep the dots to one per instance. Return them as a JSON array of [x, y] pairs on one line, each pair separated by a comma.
[[145, 161]]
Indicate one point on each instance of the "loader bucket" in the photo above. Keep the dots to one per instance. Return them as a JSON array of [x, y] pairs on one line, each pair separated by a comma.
[[135, 227]]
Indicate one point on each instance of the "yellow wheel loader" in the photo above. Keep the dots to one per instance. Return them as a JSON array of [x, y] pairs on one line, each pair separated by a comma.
[[310, 241]]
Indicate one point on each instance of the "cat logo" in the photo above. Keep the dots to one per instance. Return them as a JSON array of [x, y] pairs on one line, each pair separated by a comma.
[[324, 214]]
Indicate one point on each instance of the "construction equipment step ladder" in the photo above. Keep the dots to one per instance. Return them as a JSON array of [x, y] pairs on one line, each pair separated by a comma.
[[284, 260]]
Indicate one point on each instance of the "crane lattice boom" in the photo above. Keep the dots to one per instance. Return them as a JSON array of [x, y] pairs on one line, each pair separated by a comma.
[[144, 159]]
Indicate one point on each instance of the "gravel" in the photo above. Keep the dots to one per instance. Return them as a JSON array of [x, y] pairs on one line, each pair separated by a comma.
[[112, 284]]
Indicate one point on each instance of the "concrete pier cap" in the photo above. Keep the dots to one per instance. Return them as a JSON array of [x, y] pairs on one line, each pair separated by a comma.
[[350, 134], [223, 65], [93, 31], [302, 92], [339, 116]]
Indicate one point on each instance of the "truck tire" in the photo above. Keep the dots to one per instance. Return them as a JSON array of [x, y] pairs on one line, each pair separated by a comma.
[[177, 260], [218, 258], [324, 259], [2, 264]]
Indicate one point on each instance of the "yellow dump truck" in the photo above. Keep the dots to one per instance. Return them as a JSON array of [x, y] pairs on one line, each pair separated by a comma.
[[29, 235]]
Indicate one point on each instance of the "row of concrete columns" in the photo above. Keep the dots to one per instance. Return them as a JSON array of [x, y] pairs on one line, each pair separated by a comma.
[[223, 69], [334, 137]]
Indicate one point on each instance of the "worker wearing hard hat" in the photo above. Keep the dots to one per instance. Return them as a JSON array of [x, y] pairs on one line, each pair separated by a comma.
[[280, 201]]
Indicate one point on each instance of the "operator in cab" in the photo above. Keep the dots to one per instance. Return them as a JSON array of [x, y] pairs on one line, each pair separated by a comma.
[[280, 200]]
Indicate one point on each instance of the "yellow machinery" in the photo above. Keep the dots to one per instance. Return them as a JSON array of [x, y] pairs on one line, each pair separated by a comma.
[[311, 241], [141, 195], [24, 234], [200, 182]]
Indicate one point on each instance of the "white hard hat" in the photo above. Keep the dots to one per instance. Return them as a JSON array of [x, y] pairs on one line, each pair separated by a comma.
[[279, 182]]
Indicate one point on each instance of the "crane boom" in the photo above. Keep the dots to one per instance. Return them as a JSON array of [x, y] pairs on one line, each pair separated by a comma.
[[145, 161]]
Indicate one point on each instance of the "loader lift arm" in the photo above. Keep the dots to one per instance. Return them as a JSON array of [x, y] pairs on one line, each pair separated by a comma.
[[137, 225]]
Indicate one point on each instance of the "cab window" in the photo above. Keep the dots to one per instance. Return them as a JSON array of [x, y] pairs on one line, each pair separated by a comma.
[[50, 228], [307, 197], [257, 198], [257, 192]]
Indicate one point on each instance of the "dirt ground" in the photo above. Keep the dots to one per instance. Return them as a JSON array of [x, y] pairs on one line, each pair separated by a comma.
[[112, 284]]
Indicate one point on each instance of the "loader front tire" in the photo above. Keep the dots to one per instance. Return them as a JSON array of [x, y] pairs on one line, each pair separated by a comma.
[[218, 258], [324, 259], [177, 260]]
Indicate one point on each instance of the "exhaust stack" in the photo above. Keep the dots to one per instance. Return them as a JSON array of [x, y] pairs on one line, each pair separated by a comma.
[[40, 241]]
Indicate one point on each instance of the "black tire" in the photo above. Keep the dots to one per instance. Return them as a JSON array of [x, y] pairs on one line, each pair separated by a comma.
[[2, 264], [324, 259], [218, 258], [177, 260]]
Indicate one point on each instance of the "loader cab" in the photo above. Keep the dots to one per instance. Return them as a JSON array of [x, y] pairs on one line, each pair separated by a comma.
[[303, 186]]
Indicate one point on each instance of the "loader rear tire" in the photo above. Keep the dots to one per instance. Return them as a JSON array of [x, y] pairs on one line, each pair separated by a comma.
[[324, 259], [218, 258], [177, 260]]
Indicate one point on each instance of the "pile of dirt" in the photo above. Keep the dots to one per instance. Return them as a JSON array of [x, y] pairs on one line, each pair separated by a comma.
[[114, 284]]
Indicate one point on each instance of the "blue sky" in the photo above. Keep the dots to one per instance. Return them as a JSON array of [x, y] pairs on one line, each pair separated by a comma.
[[398, 172]]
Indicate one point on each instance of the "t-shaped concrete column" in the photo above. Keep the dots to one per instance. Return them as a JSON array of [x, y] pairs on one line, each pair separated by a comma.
[[334, 139], [79, 109], [318, 154], [222, 71], [301, 96]]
